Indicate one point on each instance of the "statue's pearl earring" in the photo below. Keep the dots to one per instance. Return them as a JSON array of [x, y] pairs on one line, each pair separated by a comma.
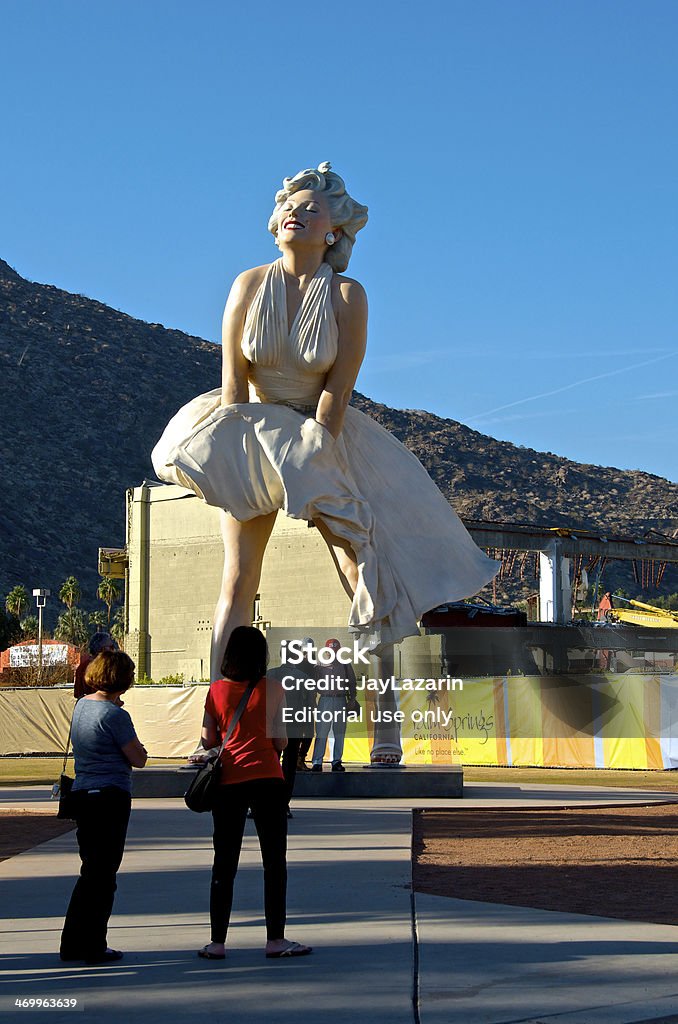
[[329, 238]]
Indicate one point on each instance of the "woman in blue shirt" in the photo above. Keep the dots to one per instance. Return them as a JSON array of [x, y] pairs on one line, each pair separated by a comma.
[[106, 749]]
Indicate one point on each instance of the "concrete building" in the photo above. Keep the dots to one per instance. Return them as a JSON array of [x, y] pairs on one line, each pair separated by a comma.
[[173, 575]]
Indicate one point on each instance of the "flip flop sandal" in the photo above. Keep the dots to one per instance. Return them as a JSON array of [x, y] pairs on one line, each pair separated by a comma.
[[294, 949], [206, 955]]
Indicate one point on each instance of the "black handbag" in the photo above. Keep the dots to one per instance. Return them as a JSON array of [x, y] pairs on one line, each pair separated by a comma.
[[66, 798], [62, 789], [199, 796]]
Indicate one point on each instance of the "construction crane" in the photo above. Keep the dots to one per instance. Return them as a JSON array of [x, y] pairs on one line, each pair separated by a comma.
[[647, 614]]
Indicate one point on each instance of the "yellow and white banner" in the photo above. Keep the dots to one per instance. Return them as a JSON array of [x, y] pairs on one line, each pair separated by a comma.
[[601, 721]]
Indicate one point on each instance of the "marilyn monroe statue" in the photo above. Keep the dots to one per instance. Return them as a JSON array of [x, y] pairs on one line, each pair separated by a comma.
[[280, 435]]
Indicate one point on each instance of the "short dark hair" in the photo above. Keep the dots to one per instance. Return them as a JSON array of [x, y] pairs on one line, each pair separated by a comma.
[[110, 672], [100, 641], [246, 655]]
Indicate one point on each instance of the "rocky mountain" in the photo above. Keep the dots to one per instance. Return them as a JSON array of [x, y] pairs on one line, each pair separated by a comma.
[[86, 390], [498, 481]]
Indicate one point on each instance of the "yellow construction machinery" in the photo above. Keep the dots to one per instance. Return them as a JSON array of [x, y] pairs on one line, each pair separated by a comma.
[[645, 615]]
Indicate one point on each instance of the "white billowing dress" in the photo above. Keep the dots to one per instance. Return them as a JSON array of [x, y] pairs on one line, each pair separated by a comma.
[[413, 552]]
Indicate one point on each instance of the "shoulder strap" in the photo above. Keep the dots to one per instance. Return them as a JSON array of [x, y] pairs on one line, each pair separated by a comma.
[[68, 741], [236, 716]]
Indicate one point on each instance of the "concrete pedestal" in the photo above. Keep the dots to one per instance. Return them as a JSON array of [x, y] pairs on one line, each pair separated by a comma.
[[444, 781]]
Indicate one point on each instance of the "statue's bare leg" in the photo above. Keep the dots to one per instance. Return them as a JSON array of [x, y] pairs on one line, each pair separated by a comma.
[[386, 748], [244, 547], [343, 557], [387, 745]]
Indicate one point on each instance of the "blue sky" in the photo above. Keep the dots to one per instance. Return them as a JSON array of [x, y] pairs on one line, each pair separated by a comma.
[[519, 159]]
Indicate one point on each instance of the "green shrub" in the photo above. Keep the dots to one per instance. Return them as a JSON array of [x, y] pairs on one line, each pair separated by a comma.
[[172, 680], [176, 680]]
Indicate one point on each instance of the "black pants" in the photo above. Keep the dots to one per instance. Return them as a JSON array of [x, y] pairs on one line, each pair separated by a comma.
[[267, 799], [102, 819], [304, 747], [289, 764]]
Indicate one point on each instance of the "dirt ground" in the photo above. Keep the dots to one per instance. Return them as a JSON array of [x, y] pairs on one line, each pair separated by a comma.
[[617, 862], [20, 830]]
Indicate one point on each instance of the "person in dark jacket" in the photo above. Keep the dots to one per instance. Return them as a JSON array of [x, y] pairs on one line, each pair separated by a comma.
[[101, 641], [300, 697]]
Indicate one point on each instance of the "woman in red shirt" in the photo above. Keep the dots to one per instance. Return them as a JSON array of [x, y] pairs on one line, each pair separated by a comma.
[[251, 778]]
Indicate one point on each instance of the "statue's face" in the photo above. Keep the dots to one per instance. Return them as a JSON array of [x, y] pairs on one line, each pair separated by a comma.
[[304, 219]]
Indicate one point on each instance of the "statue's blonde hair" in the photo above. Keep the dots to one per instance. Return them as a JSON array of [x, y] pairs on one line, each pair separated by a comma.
[[345, 212]]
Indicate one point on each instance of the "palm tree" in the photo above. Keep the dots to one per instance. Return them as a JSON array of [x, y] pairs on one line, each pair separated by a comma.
[[107, 591], [17, 600], [72, 628], [29, 627], [70, 594], [118, 627], [98, 619], [10, 630]]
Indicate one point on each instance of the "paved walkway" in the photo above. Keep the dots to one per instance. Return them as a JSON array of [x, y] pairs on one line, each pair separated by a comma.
[[349, 896]]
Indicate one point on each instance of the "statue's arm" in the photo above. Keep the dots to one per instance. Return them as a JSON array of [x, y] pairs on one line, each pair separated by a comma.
[[234, 365], [351, 312]]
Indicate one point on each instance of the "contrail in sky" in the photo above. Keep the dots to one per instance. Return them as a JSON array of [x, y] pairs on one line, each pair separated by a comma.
[[575, 384]]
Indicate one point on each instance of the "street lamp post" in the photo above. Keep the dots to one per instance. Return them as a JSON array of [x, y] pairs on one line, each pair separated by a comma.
[[40, 599]]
